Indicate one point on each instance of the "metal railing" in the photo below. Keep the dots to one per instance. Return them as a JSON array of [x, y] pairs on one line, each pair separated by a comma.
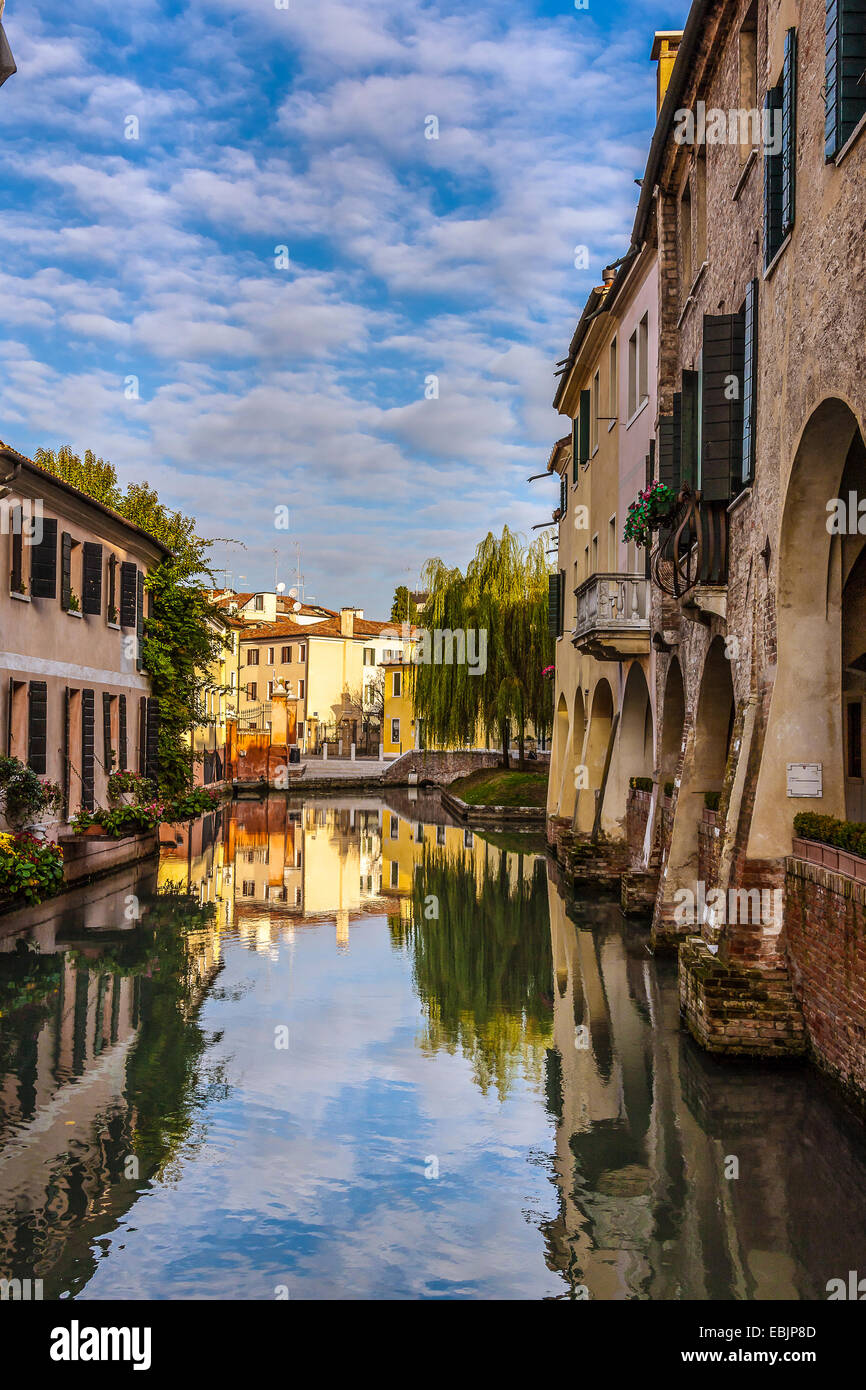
[[693, 547]]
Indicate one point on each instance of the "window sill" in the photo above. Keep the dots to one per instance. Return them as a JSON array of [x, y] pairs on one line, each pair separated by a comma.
[[778, 256], [74, 613], [751, 159], [611, 423], [115, 627], [852, 140], [594, 452], [640, 410], [21, 598]]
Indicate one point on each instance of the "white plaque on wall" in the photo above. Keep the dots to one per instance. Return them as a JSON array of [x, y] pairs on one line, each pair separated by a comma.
[[805, 779]]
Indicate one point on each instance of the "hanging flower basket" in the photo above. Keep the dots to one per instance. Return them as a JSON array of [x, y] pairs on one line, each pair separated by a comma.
[[549, 672], [651, 509]]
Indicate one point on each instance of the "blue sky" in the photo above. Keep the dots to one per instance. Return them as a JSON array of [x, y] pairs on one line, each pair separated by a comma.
[[265, 385]]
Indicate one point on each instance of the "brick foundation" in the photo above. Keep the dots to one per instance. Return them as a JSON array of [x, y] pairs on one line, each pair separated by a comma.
[[738, 1012]]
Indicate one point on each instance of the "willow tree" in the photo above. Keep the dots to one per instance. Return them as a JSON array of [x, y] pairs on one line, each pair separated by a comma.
[[496, 614]]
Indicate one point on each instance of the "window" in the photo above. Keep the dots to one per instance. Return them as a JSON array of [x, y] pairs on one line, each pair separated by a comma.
[[594, 414], [395, 827], [750, 136], [643, 359], [780, 167], [259, 602], [395, 873], [611, 545], [286, 654], [440, 834], [369, 656], [298, 897], [595, 554], [612, 406], [302, 688], [395, 730], [252, 656], [419, 833], [845, 84], [302, 652], [270, 656], [252, 690], [270, 689], [700, 211], [586, 562], [685, 241], [248, 888], [468, 839], [397, 684], [855, 739], [301, 730]]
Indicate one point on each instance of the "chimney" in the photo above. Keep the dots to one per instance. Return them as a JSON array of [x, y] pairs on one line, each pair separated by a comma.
[[664, 52], [347, 622]]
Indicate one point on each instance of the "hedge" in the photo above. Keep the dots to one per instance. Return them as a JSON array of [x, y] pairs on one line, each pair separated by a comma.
[[641, 784], [849, 835]]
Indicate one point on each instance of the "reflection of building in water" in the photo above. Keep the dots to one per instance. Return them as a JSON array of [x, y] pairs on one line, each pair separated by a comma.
[[647, 1126], [193, 857]]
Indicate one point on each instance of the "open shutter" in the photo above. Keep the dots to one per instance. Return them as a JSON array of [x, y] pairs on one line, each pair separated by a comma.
[[151, 762], [128, 593], [789, 131], [750, 381], [722, 405], [106, 732], [139, 621], [16, 578], [553, 584], [121, 735], [67, 748], [585, 407], [561, 601], [37, 727], [669, 452], [43, 562], [844, 86], [65, 569], [575, 446], [689, 429], [142, 728], [91, 598], [87, 748], [563, 496], [772, 182]]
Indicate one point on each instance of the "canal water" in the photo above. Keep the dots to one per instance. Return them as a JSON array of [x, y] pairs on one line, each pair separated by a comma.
[[349, 1049]]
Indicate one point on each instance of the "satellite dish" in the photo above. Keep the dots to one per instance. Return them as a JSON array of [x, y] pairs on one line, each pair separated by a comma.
[[293, 593], [280, 588], [296, 607]]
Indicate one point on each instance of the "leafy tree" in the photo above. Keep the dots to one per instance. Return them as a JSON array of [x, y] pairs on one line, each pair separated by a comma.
[[503, 595], [403, 608]]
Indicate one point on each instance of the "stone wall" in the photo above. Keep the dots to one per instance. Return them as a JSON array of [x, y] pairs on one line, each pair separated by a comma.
[[737, 1012], [444, 767], [825, 927], [636, 817]]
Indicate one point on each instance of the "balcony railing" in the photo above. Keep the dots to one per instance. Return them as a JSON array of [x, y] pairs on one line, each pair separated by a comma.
[[693, 548], [612, 616]]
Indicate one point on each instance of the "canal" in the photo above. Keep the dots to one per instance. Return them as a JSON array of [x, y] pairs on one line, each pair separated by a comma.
[[346, 1048]]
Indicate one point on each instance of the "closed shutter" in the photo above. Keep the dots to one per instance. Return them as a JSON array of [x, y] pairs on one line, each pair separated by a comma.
[[772, 182], [789, 131], [750, 381], [106, 732], [689, 429], [87, 748], [121, 735], [112, 589], [139, 622], [43, 562], [16, 578], [563, 495], [585, 407], [845, 86], [669, 451], [722, 405], [553, 584], [575, 446], [10, 710], [37, 727], [65, 569], [67, 748], [152, 740], [561, 601], [142, 726], [128, 593], [91, 597], [832, 105]]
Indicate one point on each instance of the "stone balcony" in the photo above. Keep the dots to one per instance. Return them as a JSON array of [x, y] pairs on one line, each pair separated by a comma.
[[613, 617]]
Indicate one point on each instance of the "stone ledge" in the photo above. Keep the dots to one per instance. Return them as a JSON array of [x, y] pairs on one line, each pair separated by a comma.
[[737, 1012], [494, 815]]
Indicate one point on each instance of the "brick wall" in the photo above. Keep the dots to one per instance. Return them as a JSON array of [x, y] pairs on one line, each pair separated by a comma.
[[825, 928], [636, 816]]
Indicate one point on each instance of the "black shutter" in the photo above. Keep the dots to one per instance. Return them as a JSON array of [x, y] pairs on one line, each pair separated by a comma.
[[112, 589], [43, 562], [561, 601], [669, 452], [832, 104], [65, 569], [16, 578], [121, 736], [142, 727], [750, 381], [91, 598], [10, 709], [789, 131], [844, 87], [139, 622], [67, 748], [128, 593], [553, 584], [689, 429], [106, 731], [37, 727], [585, 407], [575, 446], [772, 183], [151, 758], [87, 748], [563, 495], [722, 405]]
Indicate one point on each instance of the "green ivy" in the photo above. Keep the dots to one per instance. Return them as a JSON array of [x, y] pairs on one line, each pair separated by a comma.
[[641, 784]]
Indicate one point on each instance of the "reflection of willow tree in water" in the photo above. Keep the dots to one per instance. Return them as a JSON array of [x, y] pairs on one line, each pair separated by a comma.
[[48, 1232], [483, 966]]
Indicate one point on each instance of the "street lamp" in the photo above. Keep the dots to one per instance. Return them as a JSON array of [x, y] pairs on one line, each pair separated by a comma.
[[7, 62]]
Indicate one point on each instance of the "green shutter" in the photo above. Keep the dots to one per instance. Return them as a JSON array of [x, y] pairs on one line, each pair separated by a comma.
[[669, 452], [845, 61], [721, 405], [832, 143], [789, 131], [87, 748], [106, 732], [575, 448], [553, 604], [65, 570], [689, 429], [772, 182], [563, 495], [585, 407], [750, 381], [139, 622], [151, 746]]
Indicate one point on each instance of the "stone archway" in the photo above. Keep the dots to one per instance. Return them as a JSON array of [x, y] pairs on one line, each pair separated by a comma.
[[633, 750], [559, 757], [575, 753], [673, 720], [594, 757], [819, 614]]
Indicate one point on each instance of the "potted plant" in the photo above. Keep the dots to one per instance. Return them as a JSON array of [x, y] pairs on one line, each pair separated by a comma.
[[74, 604], [651, 509]]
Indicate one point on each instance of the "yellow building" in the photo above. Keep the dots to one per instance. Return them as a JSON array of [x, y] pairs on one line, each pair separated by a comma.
[[218, 698], [399, 732]]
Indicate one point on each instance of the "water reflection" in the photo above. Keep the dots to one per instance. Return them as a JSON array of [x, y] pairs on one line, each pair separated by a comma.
[[446, 1008]]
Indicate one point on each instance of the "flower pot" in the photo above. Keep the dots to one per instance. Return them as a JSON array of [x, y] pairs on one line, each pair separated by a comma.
[[830, 857]]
